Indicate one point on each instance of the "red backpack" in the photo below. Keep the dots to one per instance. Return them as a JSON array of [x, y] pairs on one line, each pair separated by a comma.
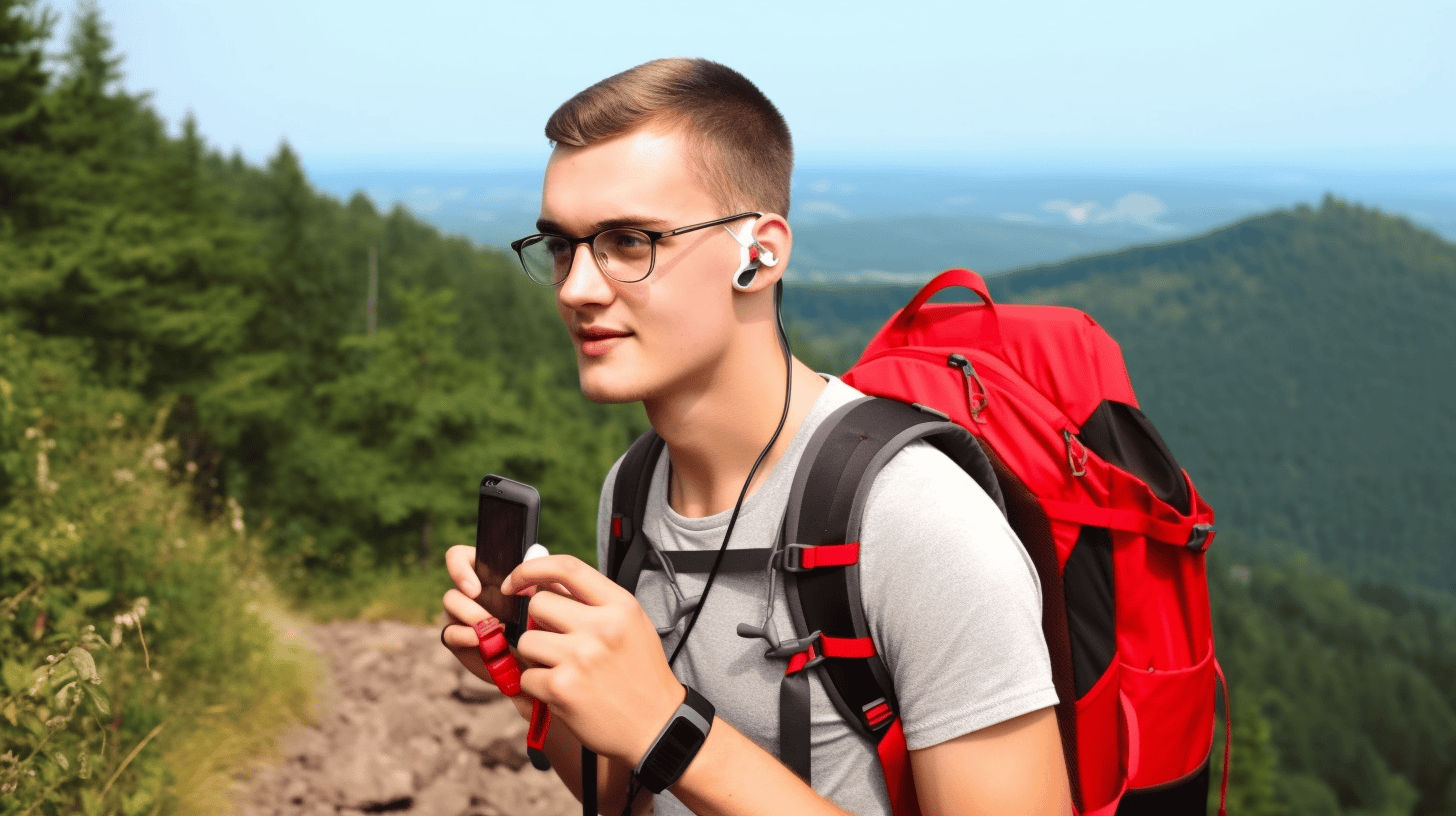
[[1035, 403]]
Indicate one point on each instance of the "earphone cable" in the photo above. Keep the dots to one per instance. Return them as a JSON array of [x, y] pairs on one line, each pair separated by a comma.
[[742, 493], [632, 786]]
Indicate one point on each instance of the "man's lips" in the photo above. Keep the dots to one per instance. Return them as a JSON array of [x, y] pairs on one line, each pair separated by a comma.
[[599, 333], [596, 341]]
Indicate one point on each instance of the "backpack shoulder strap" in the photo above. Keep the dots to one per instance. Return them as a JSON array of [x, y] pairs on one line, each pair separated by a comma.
[[821, 572], [626, 546]]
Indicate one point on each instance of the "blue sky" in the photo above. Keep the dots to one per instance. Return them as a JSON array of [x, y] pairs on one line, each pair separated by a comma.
[[983, 86]]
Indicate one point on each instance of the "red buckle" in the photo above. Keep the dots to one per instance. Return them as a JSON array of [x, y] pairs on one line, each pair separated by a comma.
[[505, 672], [878, 713], [818, 647], [803, 557]]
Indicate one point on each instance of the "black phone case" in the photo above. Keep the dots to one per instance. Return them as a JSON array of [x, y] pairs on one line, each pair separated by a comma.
[[526, 496]]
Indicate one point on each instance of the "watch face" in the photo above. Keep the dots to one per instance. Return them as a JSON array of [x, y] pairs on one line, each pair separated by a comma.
[[678, 743]]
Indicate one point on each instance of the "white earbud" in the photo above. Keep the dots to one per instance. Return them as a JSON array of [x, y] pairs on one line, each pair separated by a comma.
[[751, 255]]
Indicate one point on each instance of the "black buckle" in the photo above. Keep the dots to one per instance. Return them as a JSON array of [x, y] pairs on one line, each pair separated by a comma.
[[813, 643], [1200, 537], [793, 555]]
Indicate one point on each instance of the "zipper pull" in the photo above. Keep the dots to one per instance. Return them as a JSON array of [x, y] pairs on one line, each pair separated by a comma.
[[975, 402]]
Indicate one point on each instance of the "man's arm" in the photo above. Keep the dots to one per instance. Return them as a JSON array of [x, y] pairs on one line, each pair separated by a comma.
[[599, 666], [1014, 766]]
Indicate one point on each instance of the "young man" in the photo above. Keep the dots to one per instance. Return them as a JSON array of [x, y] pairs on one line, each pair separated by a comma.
[[949, 594]]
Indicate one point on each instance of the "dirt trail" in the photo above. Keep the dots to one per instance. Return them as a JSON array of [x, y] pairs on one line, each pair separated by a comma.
[[402, 728]]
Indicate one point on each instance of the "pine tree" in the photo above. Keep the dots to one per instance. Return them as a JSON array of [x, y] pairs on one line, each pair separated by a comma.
[[23, 81], [1253, 766]]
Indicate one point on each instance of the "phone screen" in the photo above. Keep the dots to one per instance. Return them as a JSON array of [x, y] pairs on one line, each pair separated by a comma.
[[499, 544]]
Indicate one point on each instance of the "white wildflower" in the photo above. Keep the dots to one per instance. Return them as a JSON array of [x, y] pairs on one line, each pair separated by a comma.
[[43, 479], [191, 468], [123, 475], [236, 511], [31, 433], [117, 420]]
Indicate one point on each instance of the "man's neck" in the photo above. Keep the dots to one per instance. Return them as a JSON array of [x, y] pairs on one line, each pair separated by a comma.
[[713, 435]]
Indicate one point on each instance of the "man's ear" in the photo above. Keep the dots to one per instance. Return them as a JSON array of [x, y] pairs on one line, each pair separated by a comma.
[[776, 242]]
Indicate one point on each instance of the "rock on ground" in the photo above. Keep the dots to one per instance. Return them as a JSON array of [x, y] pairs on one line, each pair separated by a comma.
[[403, 728]]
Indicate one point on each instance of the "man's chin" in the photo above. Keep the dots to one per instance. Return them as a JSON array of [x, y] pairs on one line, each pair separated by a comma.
[[604, 393]]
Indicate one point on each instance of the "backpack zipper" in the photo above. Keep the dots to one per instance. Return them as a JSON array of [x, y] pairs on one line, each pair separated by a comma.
[[975, 403]]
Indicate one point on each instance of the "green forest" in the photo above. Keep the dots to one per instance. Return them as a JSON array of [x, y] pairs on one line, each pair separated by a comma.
[[227, 400]]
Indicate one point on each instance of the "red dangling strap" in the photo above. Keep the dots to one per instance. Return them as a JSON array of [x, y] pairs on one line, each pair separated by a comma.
[[1228, 739]]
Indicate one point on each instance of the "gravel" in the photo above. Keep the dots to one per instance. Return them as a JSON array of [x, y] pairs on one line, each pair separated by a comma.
[[403, 728]]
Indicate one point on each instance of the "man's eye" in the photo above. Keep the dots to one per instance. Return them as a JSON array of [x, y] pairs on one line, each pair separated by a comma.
[[630, 241], [557, 247]]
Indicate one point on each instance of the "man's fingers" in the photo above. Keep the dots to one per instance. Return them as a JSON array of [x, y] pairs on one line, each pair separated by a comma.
[[555, 612], [574, 575], [462, 609], [460, 563], [540, 648]]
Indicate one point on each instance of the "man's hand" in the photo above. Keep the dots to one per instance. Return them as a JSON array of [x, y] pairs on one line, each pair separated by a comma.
[[463, 613], [597, 659]]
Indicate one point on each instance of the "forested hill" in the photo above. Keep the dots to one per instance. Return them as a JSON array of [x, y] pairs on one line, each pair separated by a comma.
[[1297, 364]]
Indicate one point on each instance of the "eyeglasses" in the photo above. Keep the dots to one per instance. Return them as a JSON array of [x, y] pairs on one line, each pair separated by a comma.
[[624, 254]]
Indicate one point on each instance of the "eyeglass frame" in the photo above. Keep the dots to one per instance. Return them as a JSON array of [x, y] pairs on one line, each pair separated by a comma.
[[653, 236]]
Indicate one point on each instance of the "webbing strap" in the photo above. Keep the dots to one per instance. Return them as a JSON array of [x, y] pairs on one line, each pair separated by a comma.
[[693, 561], [1228, 739], [895, 764], [627, 546], [794, 697], [794, 725], [1128, 521]]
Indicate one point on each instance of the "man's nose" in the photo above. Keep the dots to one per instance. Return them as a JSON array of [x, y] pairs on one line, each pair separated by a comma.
[[585, 282]]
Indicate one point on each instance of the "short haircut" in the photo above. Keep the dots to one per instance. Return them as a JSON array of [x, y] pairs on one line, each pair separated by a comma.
[[736, 137]]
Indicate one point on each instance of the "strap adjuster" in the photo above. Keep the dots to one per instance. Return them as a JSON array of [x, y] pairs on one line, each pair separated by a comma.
[[621, 527], [803, 653], [805, 557], [1200, 537], [789, 648]]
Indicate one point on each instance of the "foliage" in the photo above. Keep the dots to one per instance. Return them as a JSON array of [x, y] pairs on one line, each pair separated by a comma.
[[240, 296], [128, 626]]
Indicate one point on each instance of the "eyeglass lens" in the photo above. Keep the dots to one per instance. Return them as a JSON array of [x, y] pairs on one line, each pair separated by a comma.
[[624, 255]]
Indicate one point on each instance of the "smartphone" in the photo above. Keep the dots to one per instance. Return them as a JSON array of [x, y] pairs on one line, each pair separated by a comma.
[[505, 528]]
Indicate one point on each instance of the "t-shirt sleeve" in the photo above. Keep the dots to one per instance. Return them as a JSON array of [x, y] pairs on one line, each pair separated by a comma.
[[951, 599]]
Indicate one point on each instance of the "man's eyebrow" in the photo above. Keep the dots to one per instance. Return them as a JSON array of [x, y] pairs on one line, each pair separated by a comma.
[[636, 222]]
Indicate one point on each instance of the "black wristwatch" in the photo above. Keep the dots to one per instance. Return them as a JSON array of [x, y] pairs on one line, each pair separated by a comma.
[[677, 744]]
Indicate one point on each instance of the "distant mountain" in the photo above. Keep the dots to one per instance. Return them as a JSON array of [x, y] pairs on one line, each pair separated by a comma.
[[866, 225], [912, 250], [1298, 363]]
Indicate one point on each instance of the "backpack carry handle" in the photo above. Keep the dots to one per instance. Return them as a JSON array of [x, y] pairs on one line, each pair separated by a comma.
[[964, 278]]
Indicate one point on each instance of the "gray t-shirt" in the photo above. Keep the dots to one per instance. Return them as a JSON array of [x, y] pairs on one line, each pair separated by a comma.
[[951, 600]]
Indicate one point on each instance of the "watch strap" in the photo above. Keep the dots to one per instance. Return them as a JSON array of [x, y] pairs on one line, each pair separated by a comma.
[[676, 744]]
